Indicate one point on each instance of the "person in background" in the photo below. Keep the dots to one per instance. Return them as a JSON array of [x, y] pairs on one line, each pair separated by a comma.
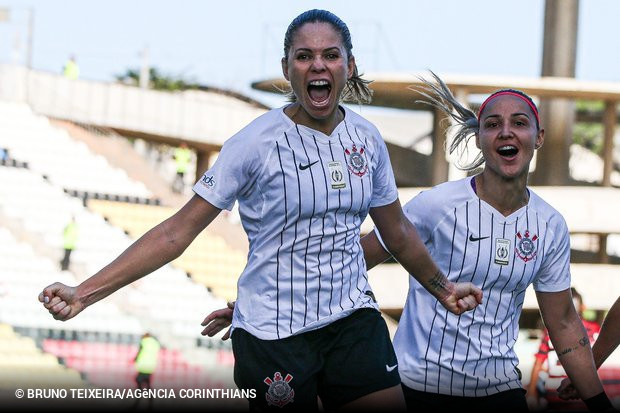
[[547, 367], [145, 362], [71, 70], [182, 158], [69, 241]]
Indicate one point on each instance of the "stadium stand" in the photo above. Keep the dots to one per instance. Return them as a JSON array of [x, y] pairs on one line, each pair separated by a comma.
[[23, 364], [25, 273], [51, 152], [99, 243], [111, 365], [35, 204]]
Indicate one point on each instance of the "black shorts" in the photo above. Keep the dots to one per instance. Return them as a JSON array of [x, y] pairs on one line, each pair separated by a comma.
[[506, 401], [338, 363]]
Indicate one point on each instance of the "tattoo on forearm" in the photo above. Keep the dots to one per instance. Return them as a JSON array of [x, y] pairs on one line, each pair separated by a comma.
[[583, 341], [438, 282]]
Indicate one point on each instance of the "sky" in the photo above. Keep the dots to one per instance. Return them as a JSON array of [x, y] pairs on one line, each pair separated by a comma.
[[232, 43]]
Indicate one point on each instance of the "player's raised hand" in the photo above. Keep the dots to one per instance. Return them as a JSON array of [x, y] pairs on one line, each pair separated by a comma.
[[218, 320], [61, 301], [461, 297]]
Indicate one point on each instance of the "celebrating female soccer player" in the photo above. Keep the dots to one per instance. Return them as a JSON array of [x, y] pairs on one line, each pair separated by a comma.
[[492, 230], [305, 176]]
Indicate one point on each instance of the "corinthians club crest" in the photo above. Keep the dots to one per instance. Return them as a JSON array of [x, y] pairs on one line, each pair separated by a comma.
[[526, 249], [356, 160], [279, 392]]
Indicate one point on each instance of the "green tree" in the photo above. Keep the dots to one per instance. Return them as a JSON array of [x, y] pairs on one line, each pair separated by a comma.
[[589, 134], [158, 80], [170, 83]]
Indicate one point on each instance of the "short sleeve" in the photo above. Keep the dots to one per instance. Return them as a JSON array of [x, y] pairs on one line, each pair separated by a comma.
[[413, 210], [554, 272], [421, 211], [232, 173], [384, 190]]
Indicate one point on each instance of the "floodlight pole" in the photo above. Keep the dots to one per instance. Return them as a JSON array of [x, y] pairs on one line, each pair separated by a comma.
[[30, 38]]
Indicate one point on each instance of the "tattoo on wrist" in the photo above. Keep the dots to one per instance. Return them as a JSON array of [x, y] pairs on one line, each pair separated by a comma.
[[583, 341], [439, 283]]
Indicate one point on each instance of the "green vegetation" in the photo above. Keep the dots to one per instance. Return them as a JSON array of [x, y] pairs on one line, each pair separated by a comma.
[[158, 80], [587, 134], [171, 83]]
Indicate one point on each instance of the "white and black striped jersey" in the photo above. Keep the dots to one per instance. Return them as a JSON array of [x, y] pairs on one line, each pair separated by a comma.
[[472, 354], [302, 198]]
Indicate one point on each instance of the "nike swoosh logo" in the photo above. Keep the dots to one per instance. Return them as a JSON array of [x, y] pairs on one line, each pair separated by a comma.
[[304, 167], [390, 368], [472, 238]]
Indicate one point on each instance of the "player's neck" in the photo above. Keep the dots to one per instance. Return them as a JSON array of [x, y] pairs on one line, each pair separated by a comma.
[[298, 114], [506, 196]]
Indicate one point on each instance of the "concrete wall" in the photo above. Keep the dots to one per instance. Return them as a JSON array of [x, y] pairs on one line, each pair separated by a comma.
[[198, 116]]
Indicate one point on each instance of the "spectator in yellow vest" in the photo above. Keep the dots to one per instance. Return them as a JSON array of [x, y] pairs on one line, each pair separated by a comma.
[[146, 361], [71, 69], [69, 241], [182, 157]]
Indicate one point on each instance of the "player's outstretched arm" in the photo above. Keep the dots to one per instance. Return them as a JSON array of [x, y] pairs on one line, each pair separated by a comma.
[[404, 243], [218, 320], [157, 247], [571, 342]]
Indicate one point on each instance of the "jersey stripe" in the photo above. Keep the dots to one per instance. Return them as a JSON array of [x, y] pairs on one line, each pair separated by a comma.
[[296, 223], [331, 253], [473, 274], [458, 279], [484, 308], [318, 297], [309, 228], [445, 321], [499, 298], [363, 267], [346, 234], [281, 243], [436, 311], [505, 332]]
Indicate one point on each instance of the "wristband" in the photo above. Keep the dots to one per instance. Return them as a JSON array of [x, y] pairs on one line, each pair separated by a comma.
[[598, 403]]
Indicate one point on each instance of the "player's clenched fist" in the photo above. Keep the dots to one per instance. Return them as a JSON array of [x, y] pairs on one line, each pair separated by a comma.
[[61, 301], [461, 297]]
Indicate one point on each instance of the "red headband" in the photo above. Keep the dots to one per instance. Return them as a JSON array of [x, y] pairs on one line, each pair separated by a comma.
[[508, 92]]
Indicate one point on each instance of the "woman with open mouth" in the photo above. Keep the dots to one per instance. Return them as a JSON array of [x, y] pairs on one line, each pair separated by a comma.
[[306, 325], [493, 231]]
